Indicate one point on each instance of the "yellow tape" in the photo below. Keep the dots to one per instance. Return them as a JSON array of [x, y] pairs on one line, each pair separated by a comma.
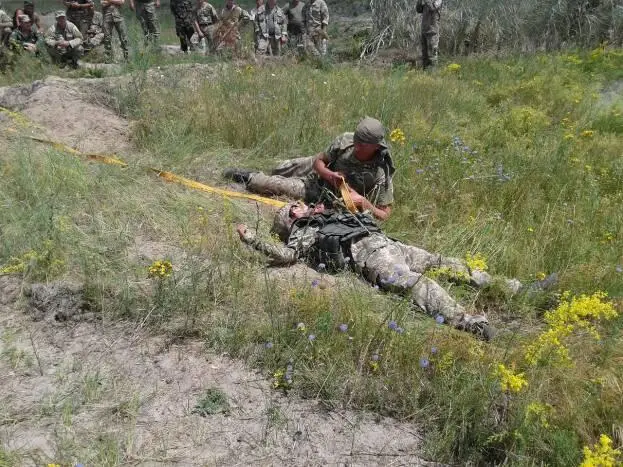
[[114, 160]]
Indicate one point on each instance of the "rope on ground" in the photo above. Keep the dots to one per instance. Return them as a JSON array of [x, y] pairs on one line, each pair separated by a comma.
[[112, 159], [348, 200]]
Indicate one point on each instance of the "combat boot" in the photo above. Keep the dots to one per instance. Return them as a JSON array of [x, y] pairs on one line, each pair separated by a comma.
[[238, 175]]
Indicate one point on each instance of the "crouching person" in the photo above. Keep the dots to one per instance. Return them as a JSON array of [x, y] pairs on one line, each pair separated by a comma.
[[64, 41], [340, 239], [25, 38]]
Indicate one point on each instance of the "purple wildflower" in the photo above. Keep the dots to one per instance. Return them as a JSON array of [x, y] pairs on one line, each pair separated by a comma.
[[375, 357], [311, 337], [440, 319], [399, 330], [343, 327], [424, 363], [419, 171], [268, 345], [619, 268], [315, 283], [392, 325], [434, 350]]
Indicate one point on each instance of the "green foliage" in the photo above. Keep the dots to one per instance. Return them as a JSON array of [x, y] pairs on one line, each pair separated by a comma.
[[213, 401]]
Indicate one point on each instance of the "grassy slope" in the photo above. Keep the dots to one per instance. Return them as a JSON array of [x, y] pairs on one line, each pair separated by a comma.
[[523, 186]]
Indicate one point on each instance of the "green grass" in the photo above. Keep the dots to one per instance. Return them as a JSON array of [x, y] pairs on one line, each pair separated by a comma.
[[487, 167]]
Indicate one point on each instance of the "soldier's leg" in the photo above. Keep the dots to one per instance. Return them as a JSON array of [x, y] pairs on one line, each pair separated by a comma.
[[433, 44], [151, 20], [299, 167], [274, 46], [261, 45], [122, 33], [140, 15], [108, 27], [55, 55], [276, 185], [312, 44], [424, 44]]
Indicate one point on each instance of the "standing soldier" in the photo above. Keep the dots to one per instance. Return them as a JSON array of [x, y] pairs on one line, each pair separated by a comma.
[[64, 41], [228, 32], [95, 33], [25, 37], [113, 19], [80, 12], [184, 14], [296, 23], [316, 22], [270, 28], [205, 22], [146, 14], [431, 14]]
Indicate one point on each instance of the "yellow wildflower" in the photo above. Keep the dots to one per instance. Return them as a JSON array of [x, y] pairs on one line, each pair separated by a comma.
[[539, 412], [540, 276], [476, 262], [397, 136], [602, 454], [530, 229], [587, 134], [608, 237], [447, 273], [571, 314], [509, 381], [568, 136], [160, 269], [453, 67]]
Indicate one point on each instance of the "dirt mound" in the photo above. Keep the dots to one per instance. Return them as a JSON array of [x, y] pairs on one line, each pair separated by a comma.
[[10, 289], [58, 301], [70, 112]]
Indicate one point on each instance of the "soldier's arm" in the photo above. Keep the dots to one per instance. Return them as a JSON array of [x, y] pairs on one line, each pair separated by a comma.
[[77, 40], [320, 167], [5, 20], [277, 254], [324, 13], [50, 37], [116, 2]]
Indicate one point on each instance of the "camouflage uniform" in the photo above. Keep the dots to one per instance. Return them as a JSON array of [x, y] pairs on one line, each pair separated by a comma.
[[95, 32], [390, 264], [72, 34], [184, 14], [113, 20], [81, 17], [297, 179], [207, 18], [296, 24], [146, 14], [6, 24], [227, 35], [18, 40], [316, 22], [431, 14], [270, 26]]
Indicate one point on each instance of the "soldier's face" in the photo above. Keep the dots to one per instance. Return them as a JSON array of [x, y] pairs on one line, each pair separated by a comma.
[[271, 3], [29, 10], [301, 209], [365, 151], [229, 4], [25, 27], [259, 3], [62, 22]]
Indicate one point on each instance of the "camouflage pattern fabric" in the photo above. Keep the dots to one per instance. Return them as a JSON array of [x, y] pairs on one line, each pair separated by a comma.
[[72, 34], [18, 40], [431, 15], [146, 14], [391, 265], [207, 18], [184, 14], [81, 17], [366, 178], [114, 21], [306, 189], [95, 32], [269, 25], [227, 35], [316, 21], [6, 24]]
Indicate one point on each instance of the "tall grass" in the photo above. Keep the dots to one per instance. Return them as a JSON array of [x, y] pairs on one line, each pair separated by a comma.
[[517, 160]]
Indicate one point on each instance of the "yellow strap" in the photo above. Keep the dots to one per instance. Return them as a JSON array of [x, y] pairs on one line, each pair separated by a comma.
[[114, 160], [348, 200]]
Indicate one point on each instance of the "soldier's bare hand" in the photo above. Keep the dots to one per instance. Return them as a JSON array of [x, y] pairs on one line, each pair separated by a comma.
[[157, 3], [242, 230], [361, 202]]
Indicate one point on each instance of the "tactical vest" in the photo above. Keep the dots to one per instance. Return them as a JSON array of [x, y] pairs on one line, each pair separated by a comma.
[[337, 231]]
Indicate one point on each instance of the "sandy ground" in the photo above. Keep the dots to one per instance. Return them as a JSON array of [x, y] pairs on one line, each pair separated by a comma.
[[83, 390]]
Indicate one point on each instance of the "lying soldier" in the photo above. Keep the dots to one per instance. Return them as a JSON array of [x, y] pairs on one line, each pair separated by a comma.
[[340, 239]]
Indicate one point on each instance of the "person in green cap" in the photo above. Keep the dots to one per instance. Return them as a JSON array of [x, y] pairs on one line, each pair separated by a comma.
[[25, 37], [64, 41], [362, 159]]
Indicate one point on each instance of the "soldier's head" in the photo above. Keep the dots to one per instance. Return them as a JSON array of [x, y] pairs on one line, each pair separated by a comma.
[[229, 4], [285, 217], [259, 3], [29, 8], [369, 138], [272, 3], [61, 19], [25, 26]]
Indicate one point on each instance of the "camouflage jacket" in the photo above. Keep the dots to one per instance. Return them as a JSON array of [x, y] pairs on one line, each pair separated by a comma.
[[316, 15], [71, 33], [206, 15], [18, 39], [97, 25], [77, 14], [270, 23], [5, 20], [234, 16], [371, 179]]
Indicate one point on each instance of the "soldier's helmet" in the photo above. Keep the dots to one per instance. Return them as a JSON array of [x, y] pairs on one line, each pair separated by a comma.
[[283, 222]]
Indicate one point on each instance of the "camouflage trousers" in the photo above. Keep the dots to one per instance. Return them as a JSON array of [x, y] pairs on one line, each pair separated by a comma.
[[122, 33], [316, 43], [208, 34], [146, 14], [430, 39], [81, 19], [267, 46], [63, 56], [399, 268], [299, 188]]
